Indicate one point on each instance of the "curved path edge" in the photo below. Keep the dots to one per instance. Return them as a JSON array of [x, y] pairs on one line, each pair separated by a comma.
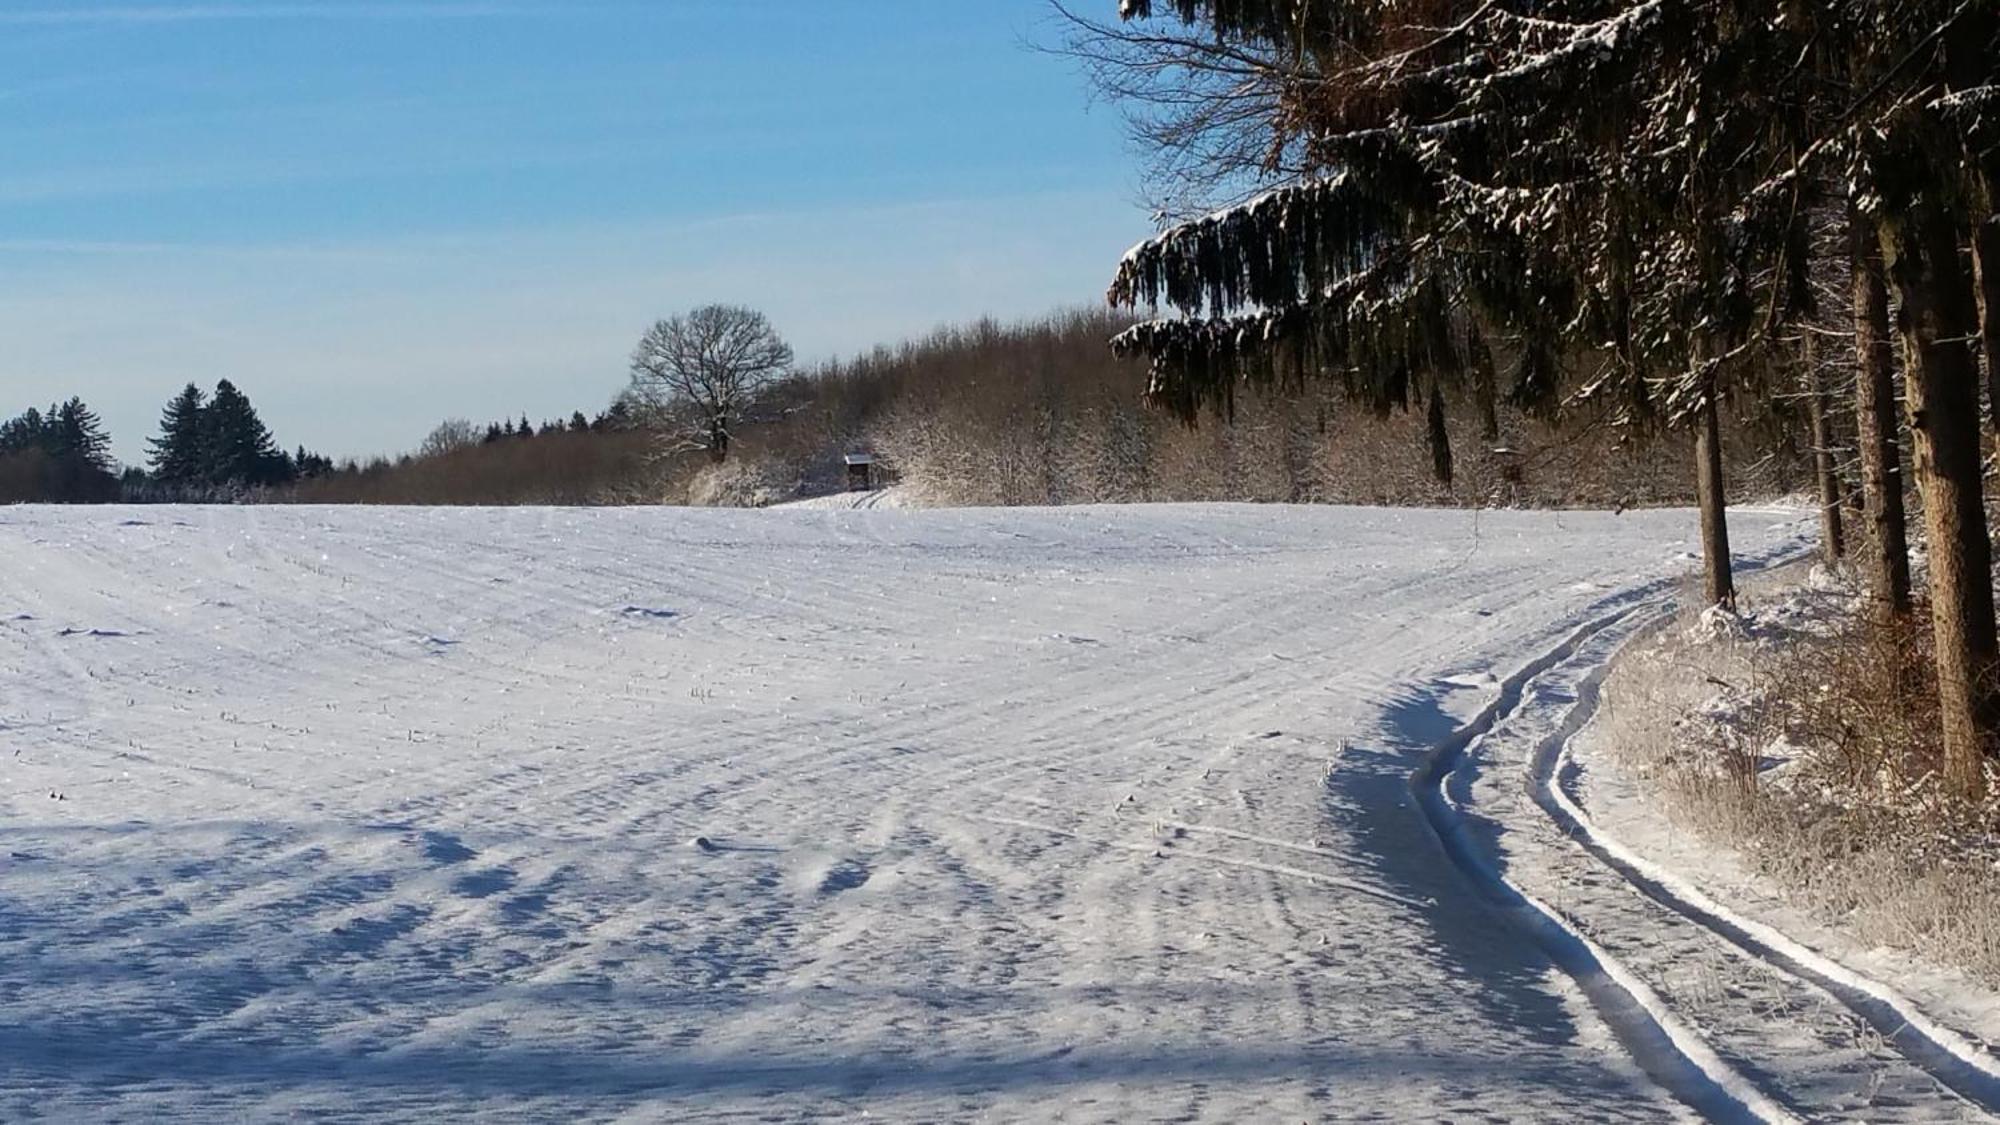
[[1671, 1054], [1955, 1060]]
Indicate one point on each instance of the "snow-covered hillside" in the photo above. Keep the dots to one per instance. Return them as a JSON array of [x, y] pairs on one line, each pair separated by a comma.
[[1087, 814]]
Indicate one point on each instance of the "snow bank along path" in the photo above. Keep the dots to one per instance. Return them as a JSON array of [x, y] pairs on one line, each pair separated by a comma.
[[1736, 1026], [1080, 814], [1911, 1059]]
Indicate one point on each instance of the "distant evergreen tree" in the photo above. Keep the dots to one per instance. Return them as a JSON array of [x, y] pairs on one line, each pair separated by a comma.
[[309, 464], [527, 428], [493, 433], [61, 457], [23, 432], [180, 454], [578, 423], [617, 417], [76, 433], [238, 448]]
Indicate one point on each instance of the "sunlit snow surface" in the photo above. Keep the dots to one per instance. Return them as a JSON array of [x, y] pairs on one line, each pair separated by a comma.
[[1092, 814]]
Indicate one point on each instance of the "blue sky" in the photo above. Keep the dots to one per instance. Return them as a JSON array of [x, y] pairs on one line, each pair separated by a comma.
[[373, 215]]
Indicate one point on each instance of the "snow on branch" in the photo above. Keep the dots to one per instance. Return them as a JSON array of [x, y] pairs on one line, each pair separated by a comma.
[[1272, 251]]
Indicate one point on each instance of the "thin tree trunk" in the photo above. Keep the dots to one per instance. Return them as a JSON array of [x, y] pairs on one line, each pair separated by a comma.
[[1986, 270], [1832, 535], [1439, 438], [1968, 66], [1720, 586], [1485, 391], [1888, 562], [1937, 322]]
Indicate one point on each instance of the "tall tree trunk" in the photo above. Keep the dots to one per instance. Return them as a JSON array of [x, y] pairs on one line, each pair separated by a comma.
[[1986, 269], [1485, 391], [1720, 585], [1439, 438], [1920, 250], [1832, 534], [1888, 562], [718, 439], [1969, 65]]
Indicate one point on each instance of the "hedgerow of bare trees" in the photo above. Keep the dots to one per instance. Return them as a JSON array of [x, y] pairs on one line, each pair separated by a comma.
[[1039, 413]]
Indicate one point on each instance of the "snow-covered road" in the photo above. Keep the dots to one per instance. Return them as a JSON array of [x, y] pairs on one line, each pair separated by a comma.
[[1091, 814]]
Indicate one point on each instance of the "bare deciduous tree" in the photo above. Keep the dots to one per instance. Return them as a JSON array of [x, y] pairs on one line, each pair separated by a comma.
[[698, 373], [1217, 119], [450, 435]]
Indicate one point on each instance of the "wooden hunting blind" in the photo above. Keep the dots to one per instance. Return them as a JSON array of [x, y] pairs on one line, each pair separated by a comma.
[[860, 472]]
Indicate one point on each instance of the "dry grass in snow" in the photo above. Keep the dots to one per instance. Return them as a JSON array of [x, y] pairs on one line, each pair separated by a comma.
[[1805, 741]]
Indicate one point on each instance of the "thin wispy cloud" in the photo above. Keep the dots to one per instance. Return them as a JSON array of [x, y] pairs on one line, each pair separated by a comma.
[[378, 213], [193, 13]]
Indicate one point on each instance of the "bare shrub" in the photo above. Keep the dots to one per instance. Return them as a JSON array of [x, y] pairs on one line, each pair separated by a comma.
[[1861, 707], [1041, 413], [1809, 746], [35, 477], [741, 482], [551, 468]]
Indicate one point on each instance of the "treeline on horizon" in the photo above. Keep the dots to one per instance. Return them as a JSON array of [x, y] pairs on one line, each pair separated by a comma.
[[1036, 412], [215, 448]]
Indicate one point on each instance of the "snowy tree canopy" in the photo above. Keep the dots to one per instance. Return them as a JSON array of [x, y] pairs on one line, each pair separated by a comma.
[[1614, 195]]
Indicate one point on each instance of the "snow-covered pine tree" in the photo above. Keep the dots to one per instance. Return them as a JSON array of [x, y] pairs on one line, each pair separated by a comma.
[[1618, 193], [1474, 181]]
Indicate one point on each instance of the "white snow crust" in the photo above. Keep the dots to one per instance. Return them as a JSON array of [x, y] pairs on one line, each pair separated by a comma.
[[1084, 814]]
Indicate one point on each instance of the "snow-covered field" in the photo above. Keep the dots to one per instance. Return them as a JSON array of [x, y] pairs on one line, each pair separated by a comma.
[[1094, 814]]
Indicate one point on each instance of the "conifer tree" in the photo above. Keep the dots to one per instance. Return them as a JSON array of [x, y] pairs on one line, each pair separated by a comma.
[[24, 432], [77, 434], [1619, 192], [179, 456], [238, 449], [1888, 553], [67, 455]]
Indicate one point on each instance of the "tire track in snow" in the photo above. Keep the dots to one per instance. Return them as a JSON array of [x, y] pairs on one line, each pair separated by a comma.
[[1149, 847], [1798, 1045], [1667, 1051], [622, 972], [1959, 1064]]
